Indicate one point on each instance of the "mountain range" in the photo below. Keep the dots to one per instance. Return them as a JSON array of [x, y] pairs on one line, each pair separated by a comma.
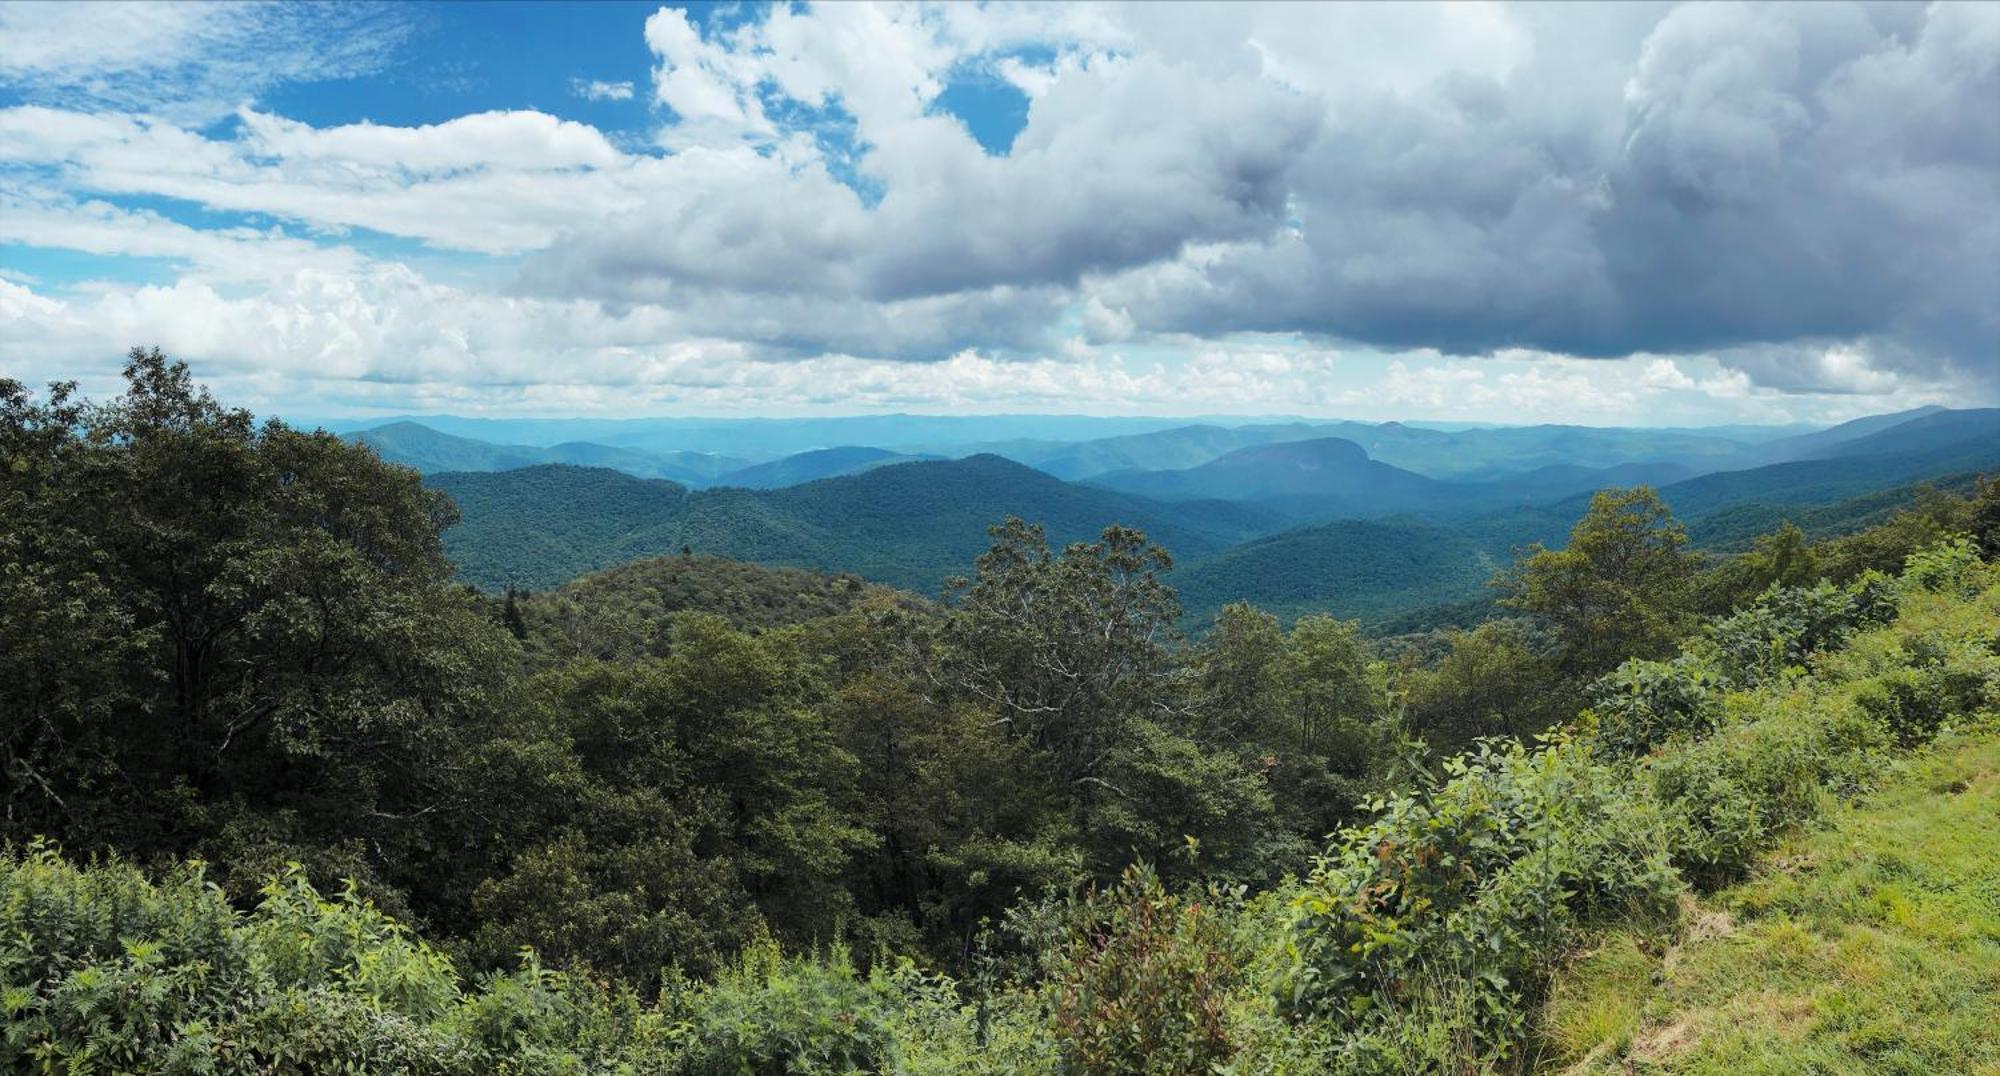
[[1362, 520], [911, 526]]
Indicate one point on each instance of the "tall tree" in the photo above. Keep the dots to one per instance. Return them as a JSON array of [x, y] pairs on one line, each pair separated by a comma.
[[237, 640], [1067, 649], [1620, 589]]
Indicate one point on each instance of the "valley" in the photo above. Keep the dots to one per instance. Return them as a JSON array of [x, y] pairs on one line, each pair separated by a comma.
[[1375, 522]]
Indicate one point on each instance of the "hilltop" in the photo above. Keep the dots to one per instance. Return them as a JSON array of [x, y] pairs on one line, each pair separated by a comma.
[[911, 525]]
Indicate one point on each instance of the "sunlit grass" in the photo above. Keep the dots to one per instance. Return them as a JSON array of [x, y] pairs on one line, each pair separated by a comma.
[[1869, 945]]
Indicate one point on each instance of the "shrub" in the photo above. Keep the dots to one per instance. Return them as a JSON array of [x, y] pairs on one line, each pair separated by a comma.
[[1951, 566], [1787, 625], [1765, 769], [1145, 984], [1642, 703], [1481, 874], [774, 1014]]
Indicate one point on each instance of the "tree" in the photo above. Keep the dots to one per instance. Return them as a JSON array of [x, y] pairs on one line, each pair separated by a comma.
[[1067, 650], [510, 615], [1237, 669], [1931, 517], [1305, 710], [228, 639], [1491, 682], [1620, 589], [1986, 517], [1784, 557]]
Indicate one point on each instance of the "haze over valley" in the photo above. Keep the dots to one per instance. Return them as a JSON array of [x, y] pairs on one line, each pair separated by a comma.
[[1424, 515]]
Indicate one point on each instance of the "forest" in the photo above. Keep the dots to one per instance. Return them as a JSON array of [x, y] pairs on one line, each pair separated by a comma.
[[282, 793]]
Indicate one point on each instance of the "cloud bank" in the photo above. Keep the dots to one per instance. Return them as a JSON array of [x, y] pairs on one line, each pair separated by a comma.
[[1729, 210]]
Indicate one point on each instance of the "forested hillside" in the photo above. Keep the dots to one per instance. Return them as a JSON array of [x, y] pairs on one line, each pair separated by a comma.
[[1433, 545], [282, 795], [912, 525], [429, 451], [1369, 570], [815, 465], [1326, 477]]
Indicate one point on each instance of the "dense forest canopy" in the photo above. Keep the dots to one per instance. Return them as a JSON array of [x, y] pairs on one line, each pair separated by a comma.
[[753, 819]]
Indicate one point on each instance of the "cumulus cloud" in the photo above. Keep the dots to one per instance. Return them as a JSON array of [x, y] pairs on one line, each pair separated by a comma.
[[1741, 201], [494, 182], [599, 90], [1745, 179], [1082, 191], [240, 255]]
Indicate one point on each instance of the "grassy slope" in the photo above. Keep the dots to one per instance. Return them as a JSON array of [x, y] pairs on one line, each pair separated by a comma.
[[1869, 945]]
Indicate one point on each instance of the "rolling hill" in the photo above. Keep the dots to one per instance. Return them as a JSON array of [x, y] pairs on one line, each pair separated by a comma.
[[1489, 453], [758, 439], [1937, 445], [1332, 478], [1328, 477], [628, 610], [1355, 569], [687, 468], [1467, 454], [1423, 542], [910, 526], [431, 451], [814, 465], [1828, 442], [1158, 450], [544, 525], [1373, 570]]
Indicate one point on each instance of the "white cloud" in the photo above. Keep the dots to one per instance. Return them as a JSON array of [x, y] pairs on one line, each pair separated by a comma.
[[1755, 202], [711, 88], [482, 142], [599, 90], [240, 255], [191, 62], [496, 182], [1664, 374]]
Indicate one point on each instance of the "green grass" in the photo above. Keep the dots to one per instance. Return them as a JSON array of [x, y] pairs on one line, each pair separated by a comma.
[[1871, 945]]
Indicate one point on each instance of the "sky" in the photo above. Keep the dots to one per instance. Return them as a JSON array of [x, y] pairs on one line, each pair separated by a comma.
[[1630, 214]]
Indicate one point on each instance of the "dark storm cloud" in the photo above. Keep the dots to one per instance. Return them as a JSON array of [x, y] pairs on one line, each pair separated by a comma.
[[1760, 183], [1768, 175]]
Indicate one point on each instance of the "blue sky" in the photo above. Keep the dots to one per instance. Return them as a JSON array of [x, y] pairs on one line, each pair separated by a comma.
[[1630, 214]]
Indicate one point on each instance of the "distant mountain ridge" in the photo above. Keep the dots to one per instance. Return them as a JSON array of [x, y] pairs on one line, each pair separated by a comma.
[[812, 466], [1333, 478], [431, 451], [910, 525], [1295, 524], [1329, 476], [702, 451], [1822, 443], [760, 439], [1376, 569], [1472, 454]]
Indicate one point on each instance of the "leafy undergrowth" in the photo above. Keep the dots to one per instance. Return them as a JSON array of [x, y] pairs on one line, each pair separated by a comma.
[[1869, 945]]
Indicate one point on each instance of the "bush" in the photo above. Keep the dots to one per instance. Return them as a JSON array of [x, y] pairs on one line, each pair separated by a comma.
[[774, 1014], [1787, 625], [1145, 984], [1767, 768], [1951, 566], [1642, 703], [1481, 874]]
